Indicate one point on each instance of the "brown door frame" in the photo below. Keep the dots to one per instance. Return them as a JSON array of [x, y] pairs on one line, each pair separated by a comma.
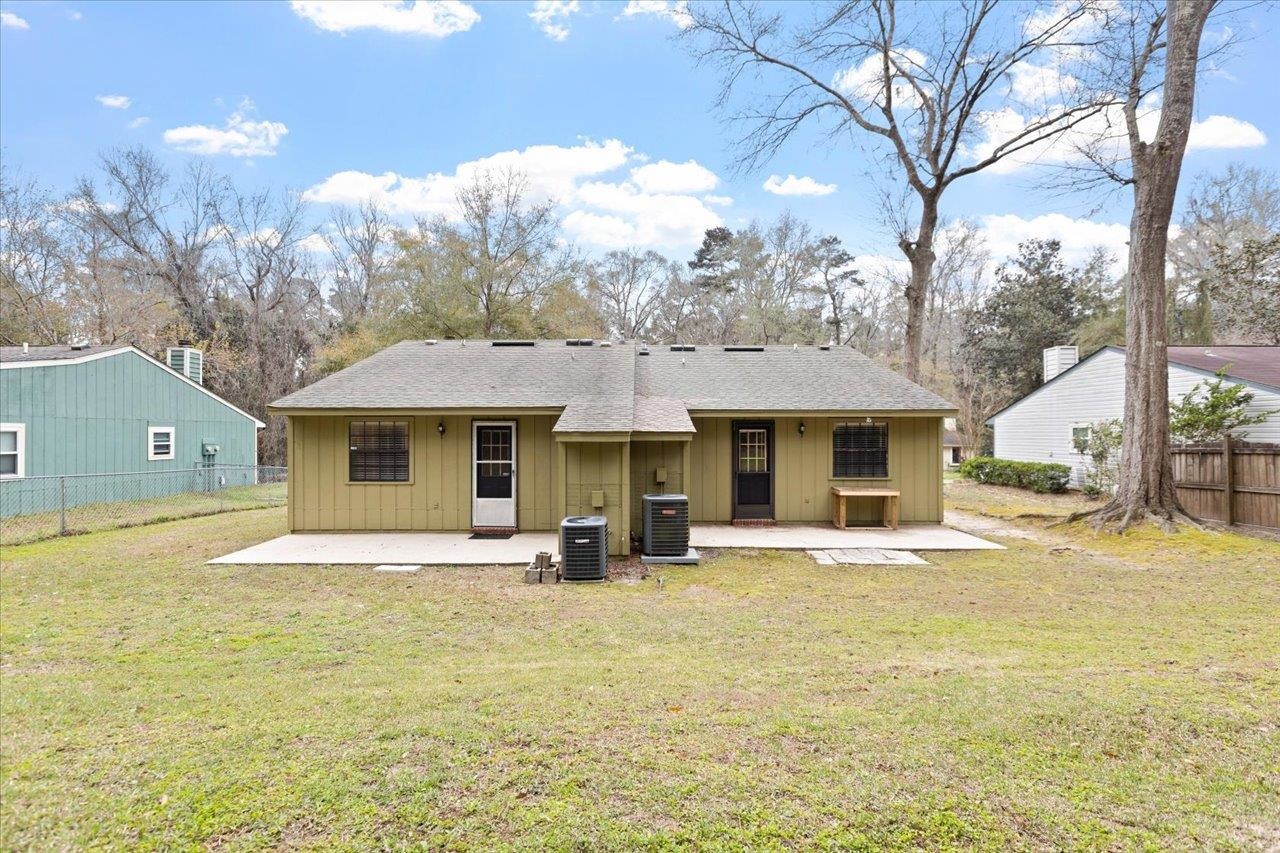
[[752, 510]]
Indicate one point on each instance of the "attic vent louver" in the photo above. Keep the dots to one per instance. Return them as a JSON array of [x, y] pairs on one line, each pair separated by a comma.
[[744, 349], [512, 343]]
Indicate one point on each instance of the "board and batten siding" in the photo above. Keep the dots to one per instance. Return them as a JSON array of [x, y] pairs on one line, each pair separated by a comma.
[[92, 417], [438, 494], [646, 458], [600, 466], [802, 468], [1038, 427]]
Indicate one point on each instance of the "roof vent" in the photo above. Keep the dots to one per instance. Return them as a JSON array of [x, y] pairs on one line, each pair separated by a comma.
[[744, 349], [824, 347], [512, 343], [683, 348], [430, 342], [605, 343]]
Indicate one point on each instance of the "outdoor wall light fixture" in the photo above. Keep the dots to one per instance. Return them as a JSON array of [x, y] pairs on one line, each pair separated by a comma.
[[440, 428], [800, 429]]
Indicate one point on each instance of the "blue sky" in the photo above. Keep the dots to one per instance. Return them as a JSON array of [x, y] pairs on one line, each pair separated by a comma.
[[605, 110]]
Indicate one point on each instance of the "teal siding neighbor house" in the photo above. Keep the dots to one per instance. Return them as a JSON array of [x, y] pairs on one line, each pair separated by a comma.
[[111, 410]]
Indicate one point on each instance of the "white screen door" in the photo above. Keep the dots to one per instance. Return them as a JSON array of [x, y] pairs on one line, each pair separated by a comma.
[[493, 480]]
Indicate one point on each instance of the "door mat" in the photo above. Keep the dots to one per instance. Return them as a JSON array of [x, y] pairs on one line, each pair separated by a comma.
[[489, 536], [866, 557]]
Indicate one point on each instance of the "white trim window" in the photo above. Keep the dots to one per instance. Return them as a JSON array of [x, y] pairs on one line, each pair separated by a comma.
[[1081, 433], [161, 443], [13, 451]]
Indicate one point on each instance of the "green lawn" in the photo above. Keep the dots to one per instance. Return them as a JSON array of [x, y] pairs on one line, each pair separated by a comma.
[[1112, 693], [111, 515]]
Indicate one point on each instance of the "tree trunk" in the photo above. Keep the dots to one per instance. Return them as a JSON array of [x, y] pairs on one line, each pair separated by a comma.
[[1146, 476], [921, 255]]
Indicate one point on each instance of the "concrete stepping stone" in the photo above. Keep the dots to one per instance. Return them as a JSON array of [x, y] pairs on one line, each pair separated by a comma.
[[866, 557]]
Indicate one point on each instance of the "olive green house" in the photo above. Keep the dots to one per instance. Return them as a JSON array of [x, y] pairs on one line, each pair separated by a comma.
[[516, 435]]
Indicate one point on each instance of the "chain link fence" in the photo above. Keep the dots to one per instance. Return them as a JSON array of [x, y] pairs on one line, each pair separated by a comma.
[[33, 508]]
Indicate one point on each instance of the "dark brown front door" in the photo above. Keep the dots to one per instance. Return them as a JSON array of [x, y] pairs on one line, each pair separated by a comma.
[[753, 469]]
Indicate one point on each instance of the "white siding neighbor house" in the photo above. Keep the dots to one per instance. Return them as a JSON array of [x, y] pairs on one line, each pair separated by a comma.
[[1041, 426]]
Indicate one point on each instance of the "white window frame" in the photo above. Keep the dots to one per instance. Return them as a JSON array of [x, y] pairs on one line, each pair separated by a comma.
[[20, 469], [152, 456], [1071, 433]]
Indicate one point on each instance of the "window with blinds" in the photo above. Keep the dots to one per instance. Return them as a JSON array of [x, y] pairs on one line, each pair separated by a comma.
[[860, 450], [378, 451]]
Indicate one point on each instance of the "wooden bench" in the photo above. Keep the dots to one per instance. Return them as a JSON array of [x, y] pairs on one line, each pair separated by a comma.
[[839, 494]]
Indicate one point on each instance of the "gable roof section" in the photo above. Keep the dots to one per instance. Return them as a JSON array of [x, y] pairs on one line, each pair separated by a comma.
[[12, 358], [617, 388], [1255, 365]]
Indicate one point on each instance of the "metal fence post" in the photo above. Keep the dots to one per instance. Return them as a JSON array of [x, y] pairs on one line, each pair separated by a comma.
[[62, 506]]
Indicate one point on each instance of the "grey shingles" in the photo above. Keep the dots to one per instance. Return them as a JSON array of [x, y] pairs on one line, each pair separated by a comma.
[[779, 379], [453, 375], [614, 389], [58, 352], [660, 414]]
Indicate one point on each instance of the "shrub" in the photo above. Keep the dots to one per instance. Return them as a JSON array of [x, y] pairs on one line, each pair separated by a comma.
[[1036, 476]]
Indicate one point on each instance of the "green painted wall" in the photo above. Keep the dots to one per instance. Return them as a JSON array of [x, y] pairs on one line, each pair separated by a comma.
[[438, 495], [601, 466], [646, 458], [556, 478], [802, 470], [92, 418]]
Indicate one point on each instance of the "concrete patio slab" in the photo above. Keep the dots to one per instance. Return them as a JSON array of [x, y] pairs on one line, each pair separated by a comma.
[[376, 549], [805, 537], [866, 557]]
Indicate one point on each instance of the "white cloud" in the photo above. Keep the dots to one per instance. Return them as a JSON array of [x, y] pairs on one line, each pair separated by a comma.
[[865, 81], [676, 11], [552, 171], [239, 137], [1079, 237], [436, 19], [1104, 135], [1224, 132], [792, 185], [138, 122], [73, 15], [115, 102], [659, 208], [667, 177], [8, 19], [552, 17], [718, 200]]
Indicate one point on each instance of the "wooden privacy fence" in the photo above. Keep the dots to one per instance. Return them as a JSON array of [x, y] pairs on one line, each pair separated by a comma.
[[1236, 482]]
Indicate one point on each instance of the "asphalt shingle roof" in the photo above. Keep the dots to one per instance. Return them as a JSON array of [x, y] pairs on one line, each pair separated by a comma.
[[780, 378], [1260, 364], [57, 352], [614, 388]]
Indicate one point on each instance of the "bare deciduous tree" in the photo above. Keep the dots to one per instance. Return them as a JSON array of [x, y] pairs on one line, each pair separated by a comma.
[[363, 254], [503, 252], [924, 82], [32, 283], [170, 230], [627, 286]]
